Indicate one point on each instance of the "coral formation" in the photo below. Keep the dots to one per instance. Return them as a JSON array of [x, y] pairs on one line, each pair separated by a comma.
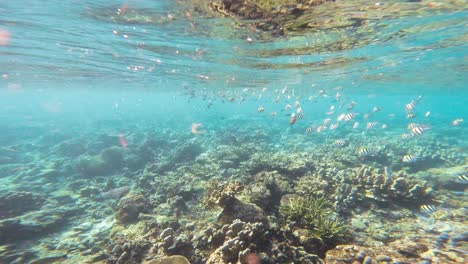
[[130, 207], [316, 215], [17, 203]]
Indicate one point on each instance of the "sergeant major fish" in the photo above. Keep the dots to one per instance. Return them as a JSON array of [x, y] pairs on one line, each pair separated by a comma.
[[408, 158]]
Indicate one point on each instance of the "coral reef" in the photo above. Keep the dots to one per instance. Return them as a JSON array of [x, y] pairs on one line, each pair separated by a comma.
[[17, 203], [186, 152], [176, 259], [130, 207], [291, 165], [316, 215], [267, 189], [233, 241], [365, 185], [231, 203]]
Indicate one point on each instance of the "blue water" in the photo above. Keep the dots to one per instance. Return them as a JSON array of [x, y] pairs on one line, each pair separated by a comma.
[[73, 71]]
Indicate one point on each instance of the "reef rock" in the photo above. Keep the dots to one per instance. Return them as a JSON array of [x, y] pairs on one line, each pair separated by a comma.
[[236, 209], [35, 223], [130, 207], [110, 160], [186, 152], [14, 204], [176, 259]]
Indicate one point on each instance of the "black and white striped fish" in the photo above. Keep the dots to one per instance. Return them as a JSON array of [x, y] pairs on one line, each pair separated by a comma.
[[410, 115], [462, 178], [408, 158], [350, 116], [364, 152], [310, 130], [412, 125], [419, 130], [339, 143], [299, 116], [405, 136], [411, 106], [428, 209], [371, 125]]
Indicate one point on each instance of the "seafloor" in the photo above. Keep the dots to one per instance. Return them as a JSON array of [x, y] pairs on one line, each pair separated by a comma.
[[233, 195]]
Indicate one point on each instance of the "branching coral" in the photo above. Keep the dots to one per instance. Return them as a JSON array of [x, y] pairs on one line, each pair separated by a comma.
[[218, 193]]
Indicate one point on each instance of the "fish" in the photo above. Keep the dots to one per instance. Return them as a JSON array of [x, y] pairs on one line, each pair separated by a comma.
[[299, 116], [411, 106], [419, 98], [350, 116], [410, 115], [339, 143], [297, 104], [123, 141], [376, 109], [408, 158], [321, 128], [428, 209], [195, 127], [364, 152], [419, 130], [371, 125], [411, 126], [458, 149], [340, 117], [299, 110], [427, 114], [310, 130], [116, 193], [405, 136], [338, 96], [355, 125], [261, 109], [457, 121], [333, 126], [384, 126], [351, 105], [292, 120], [462, 178]]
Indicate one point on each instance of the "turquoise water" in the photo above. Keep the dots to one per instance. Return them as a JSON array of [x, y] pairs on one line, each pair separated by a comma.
[[92, 100]]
